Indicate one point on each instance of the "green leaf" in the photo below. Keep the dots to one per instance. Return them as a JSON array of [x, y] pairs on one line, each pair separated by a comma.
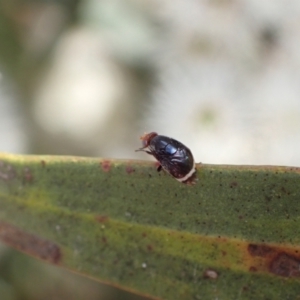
[[234, 235]]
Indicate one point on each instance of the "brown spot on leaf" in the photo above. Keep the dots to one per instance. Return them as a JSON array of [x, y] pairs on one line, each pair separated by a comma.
[[27, 175], [285, 265], [130, 169], [210, 274], [29, 243], [260, 250], [253, 269], [7, 172], [106, 165], [102, 219], [149, 247], [278, 260]]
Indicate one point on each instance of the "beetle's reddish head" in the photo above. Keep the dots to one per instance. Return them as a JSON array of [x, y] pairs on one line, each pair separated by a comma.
[[147, 137]]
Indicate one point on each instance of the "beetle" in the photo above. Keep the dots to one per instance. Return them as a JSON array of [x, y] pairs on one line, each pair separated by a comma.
[[173, 156]]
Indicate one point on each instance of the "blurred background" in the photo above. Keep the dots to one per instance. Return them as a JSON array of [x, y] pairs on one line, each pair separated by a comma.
[[88, 77]]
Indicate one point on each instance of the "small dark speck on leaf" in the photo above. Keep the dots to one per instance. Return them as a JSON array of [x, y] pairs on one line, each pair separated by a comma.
[[233, 184], [285, 191], [268, 198], [149, 247]]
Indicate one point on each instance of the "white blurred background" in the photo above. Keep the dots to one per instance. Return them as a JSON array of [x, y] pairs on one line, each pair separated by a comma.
[[89, 77]]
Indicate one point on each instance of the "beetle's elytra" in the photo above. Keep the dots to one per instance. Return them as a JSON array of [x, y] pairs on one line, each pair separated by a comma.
[[173, 156]]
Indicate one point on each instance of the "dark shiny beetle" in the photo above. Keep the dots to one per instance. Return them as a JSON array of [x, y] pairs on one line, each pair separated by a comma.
[[173, 156]]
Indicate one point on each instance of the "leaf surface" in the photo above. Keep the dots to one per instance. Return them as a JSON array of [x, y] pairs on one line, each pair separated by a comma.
[[234, 235]]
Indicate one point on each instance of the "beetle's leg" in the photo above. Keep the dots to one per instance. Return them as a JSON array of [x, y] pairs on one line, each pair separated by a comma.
[[159, 168]]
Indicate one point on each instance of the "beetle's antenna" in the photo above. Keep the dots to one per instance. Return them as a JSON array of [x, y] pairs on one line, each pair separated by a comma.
[[143, 149]]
